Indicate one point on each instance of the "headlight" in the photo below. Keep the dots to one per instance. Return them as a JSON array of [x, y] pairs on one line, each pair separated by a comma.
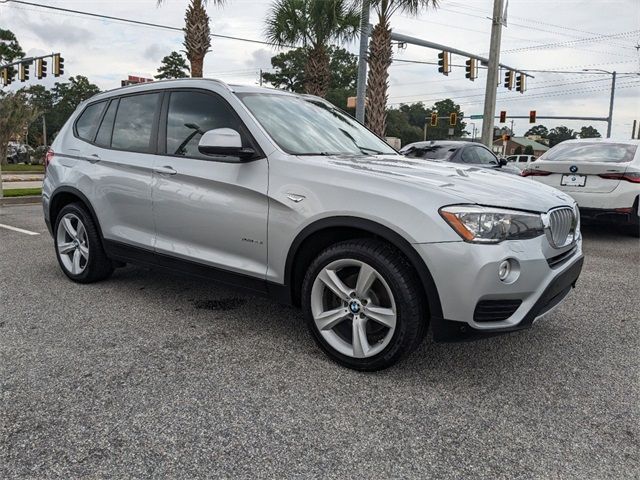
[[479, 224]]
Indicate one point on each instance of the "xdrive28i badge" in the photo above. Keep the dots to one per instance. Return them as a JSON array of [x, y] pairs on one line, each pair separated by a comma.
[[573, 168]]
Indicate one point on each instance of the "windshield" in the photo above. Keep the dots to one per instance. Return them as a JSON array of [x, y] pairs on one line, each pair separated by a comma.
[[431, 152], [591, 152], [306, 126]]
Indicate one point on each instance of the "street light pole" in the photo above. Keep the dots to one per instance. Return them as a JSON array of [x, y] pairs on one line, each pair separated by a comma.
[[613, 93]]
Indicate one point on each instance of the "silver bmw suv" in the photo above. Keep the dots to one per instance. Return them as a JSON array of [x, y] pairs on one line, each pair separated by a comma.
[[286, 196]]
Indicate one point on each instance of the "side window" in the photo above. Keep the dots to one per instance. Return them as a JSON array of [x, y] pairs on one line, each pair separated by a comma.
[[87, 122], [485, 157], [103, 138], [469, 155], [190, 115], [134, 122]]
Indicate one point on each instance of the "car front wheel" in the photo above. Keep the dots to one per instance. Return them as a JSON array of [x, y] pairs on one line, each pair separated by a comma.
[[363, 305]]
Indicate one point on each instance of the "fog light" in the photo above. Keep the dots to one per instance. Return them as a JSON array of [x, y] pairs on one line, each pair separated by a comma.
[[504, 270]]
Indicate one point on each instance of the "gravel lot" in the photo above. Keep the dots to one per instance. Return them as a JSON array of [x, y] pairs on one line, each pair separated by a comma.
[[153, 375]]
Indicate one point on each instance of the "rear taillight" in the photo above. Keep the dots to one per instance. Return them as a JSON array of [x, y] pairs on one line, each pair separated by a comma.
[[629, 176], [48, 157], [529, 172]]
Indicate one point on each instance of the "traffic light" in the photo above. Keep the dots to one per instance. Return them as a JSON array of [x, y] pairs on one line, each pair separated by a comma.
[[506, 137], [472, 69], [443, 62], [41, 68], [23, 72], [532, 116], [434, 119], [58, 65], [521, 83], [453, 119], [503, 116], [508, 79], [6, 76]]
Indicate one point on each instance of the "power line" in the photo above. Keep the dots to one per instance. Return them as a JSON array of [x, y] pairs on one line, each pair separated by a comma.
[[570, 42], [128, 20], [553, 85], [552, 93]]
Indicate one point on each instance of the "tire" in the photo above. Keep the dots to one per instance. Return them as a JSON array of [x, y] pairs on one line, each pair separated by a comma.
[[81, 257], [338, 309]]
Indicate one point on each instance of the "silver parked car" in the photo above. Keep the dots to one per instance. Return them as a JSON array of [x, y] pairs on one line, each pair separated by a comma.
[[287, 196]]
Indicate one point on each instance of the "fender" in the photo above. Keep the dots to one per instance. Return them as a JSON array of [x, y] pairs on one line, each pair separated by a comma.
[[381, 231], [73, 191]]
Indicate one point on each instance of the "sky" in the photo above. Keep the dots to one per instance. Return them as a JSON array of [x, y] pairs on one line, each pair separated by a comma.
[[563, 35]]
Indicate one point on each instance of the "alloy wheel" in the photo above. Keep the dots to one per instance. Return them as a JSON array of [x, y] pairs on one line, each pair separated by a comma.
[[72, 244], [353, 308]]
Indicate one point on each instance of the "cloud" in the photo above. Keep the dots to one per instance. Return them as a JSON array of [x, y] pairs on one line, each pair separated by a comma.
[[157, 51], [64, 33]]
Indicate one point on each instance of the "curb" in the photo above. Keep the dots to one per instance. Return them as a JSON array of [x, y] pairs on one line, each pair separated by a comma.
[[26, 200]]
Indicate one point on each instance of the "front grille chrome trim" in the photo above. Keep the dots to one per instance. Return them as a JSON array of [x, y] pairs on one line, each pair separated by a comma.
[[561, 226]]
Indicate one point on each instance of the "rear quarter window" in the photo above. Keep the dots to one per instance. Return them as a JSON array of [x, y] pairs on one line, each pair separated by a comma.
[[87, 122], [591, 152]]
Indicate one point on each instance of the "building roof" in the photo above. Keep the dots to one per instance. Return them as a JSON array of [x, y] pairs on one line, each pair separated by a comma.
[[524, 141]]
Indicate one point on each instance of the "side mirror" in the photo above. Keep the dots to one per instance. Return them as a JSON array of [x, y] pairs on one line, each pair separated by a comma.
[[224, 141], [502, 162]]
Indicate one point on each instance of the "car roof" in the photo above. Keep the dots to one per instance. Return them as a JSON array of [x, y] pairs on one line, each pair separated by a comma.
[[185, 82], [601, 140]]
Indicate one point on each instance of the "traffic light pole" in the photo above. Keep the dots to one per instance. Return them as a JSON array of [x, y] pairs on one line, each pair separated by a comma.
[[492, 74]]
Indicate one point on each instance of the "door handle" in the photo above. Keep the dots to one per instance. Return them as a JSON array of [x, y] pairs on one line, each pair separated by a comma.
[[166, 170], [94, 157]]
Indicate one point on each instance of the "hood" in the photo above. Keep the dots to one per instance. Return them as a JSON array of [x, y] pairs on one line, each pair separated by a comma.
[[465, 184]]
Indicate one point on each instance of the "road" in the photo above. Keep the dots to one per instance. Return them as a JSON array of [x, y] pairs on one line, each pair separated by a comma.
[[150, 374]]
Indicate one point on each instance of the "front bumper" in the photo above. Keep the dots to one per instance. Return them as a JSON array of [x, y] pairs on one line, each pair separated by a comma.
[[466, 276]]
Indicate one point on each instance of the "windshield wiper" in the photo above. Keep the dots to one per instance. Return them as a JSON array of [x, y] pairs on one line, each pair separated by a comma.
[[370, 150]]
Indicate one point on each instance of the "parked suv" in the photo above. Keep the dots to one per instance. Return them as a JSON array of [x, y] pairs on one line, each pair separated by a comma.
[[287, 196]]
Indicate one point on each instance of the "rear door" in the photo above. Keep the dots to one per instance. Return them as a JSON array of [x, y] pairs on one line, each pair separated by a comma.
[[207, 209], [122, 152], [584, 166]]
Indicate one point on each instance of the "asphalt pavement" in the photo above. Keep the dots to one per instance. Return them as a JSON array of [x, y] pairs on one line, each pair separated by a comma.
[[149, 374]]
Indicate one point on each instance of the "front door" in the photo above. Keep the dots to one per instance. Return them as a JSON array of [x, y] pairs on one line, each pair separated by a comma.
[[209, 210]]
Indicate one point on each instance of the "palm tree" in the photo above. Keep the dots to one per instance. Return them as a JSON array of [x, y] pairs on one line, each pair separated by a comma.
[[380, 56], [197, 33], [312, 24]]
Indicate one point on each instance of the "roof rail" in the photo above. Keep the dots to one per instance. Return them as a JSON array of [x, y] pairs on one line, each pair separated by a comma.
[[155, 82]]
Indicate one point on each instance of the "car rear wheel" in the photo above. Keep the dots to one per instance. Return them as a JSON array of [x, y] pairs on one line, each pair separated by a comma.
[[363, 305], [78, 246]]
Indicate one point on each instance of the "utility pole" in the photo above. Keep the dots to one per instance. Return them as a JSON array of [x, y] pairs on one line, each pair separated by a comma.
[[44, 131], [492, 73], [361, 86], [613, 92]]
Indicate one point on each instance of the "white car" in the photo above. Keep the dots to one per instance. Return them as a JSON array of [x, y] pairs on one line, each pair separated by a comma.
[[602, 175]]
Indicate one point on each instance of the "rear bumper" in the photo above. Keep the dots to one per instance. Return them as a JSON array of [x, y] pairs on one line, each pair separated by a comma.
[[450, 331], [629, 215]]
